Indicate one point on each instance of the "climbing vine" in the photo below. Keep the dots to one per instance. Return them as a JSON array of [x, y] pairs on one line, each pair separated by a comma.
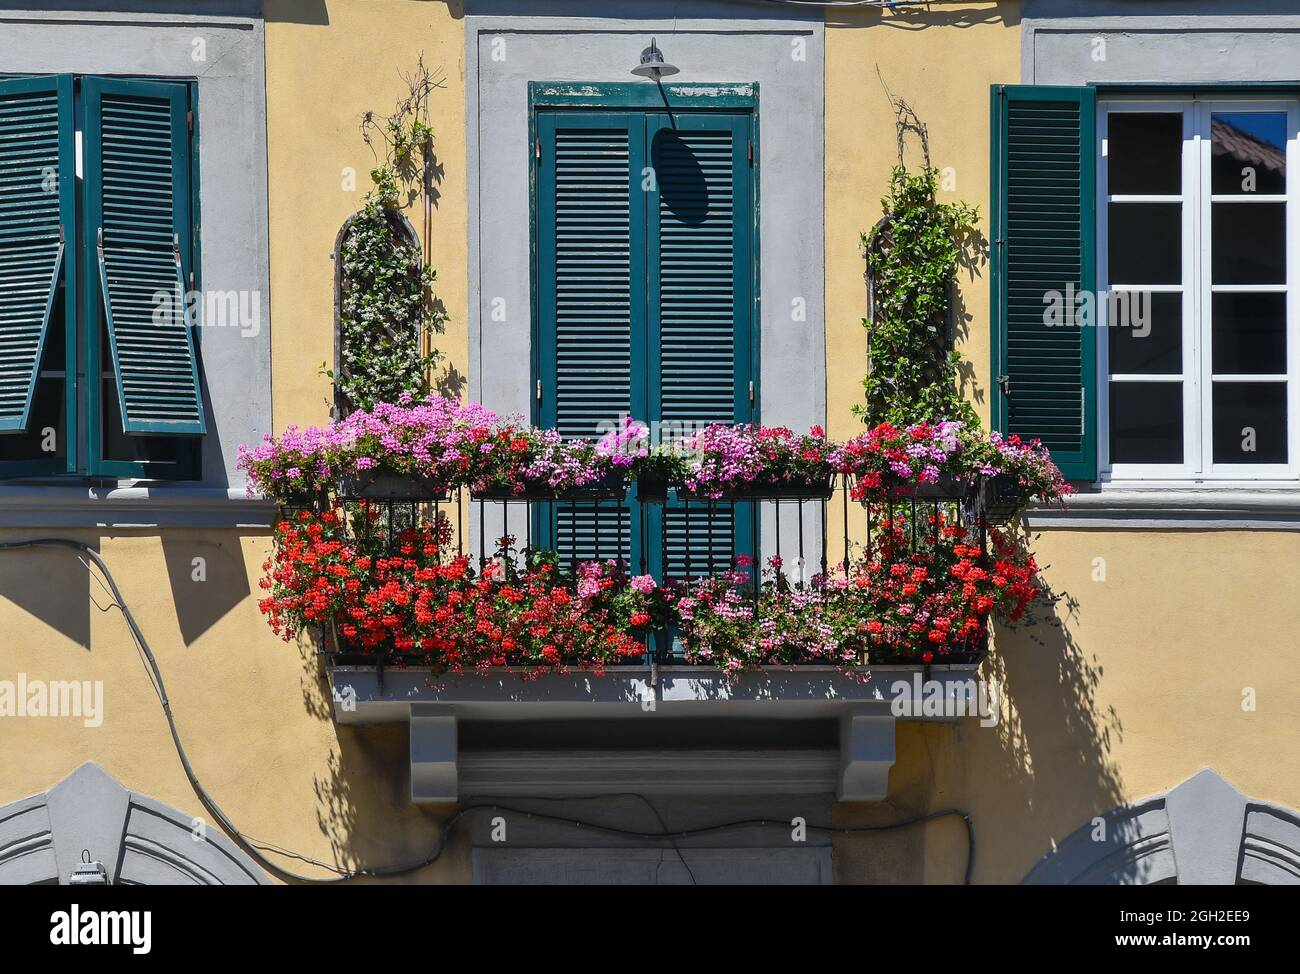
[[913, 255], [387, 313]]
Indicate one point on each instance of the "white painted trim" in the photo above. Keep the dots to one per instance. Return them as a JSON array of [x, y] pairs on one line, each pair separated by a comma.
[[1196, 376]]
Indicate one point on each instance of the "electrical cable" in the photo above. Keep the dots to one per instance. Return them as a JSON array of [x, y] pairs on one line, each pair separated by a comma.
[[257, 849]]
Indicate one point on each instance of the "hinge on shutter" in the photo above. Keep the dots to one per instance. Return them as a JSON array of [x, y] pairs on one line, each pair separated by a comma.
[[751, 152], [176, 249], [537, 147], [539, 390], [189, 120], [1004, 383], [99, 243], [751, 392]]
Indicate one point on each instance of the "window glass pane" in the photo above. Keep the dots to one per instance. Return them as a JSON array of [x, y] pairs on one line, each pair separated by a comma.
[[1249, 152], [47, 414], [1146, 422], [1144, 153], [1249, 334], [1250, 422], [1145, 244], [1248, 243], [48, 400], [1145, 333]]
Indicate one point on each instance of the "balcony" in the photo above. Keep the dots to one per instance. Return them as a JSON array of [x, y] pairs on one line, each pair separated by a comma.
[[814, 592]]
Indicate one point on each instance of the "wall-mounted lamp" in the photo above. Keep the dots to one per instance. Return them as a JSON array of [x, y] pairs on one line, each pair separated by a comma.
[[88, 873], [653, 64]]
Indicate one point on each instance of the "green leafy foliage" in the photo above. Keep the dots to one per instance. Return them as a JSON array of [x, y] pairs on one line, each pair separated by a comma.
[[912, 260], [386, 302], [387, 312]]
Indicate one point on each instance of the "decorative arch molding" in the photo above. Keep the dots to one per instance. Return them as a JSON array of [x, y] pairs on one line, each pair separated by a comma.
[[139, 840], [1203, 832]]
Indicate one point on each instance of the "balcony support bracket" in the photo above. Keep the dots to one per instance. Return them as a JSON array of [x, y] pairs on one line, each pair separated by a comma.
[[866, 754], [433, 753]]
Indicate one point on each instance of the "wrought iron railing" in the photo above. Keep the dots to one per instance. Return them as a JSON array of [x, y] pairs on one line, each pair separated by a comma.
[[826, 530]]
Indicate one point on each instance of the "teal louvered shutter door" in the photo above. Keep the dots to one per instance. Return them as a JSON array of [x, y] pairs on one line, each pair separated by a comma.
[[701, 299], [1044, 229], [138, 219], [591, 296], [37, 185]]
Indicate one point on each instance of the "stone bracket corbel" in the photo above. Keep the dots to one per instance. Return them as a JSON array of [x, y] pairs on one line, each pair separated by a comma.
[[433, 753], [867, 753]]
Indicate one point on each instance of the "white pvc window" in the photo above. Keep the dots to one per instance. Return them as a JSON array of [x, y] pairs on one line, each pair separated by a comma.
[[1199, 353]]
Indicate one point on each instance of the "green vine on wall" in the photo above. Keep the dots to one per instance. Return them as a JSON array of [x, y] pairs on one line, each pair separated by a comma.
[[387, 312], [913, 255]]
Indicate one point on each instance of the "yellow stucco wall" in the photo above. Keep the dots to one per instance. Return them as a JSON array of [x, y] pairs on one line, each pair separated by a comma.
[[1142, 683], [251, 710], [941, 62], [1140, 687], [320, 79]]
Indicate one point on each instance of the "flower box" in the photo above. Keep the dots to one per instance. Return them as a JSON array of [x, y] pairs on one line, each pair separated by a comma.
[[651, 489], [611, 487], [1001, 496], [946, 488], [382, 485], [821, 490]]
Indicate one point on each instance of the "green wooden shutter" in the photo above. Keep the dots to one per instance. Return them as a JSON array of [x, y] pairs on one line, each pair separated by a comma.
[[1044, 230], [37, 184], [645, 304], [138, 176], [701, 301], [591, 300]]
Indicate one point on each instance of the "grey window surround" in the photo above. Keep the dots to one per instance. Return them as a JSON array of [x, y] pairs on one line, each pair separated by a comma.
[[1218, 507], [142, 40], [652, 867], [580, 41], [131, 505]]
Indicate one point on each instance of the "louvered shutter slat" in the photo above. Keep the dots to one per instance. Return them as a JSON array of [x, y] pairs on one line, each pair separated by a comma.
[[702, 287], [35, 219], [1044, 228], [590, 224], [139, 144]]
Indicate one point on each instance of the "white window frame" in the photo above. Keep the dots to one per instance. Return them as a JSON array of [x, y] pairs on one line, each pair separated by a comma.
[[1196, 200]]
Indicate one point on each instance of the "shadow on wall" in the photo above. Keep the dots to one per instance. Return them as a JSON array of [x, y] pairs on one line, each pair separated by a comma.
[[920, 17], [1027, 780], [1052, 765], [316, 12], [363, 799], [207, 580], [51, 585]]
